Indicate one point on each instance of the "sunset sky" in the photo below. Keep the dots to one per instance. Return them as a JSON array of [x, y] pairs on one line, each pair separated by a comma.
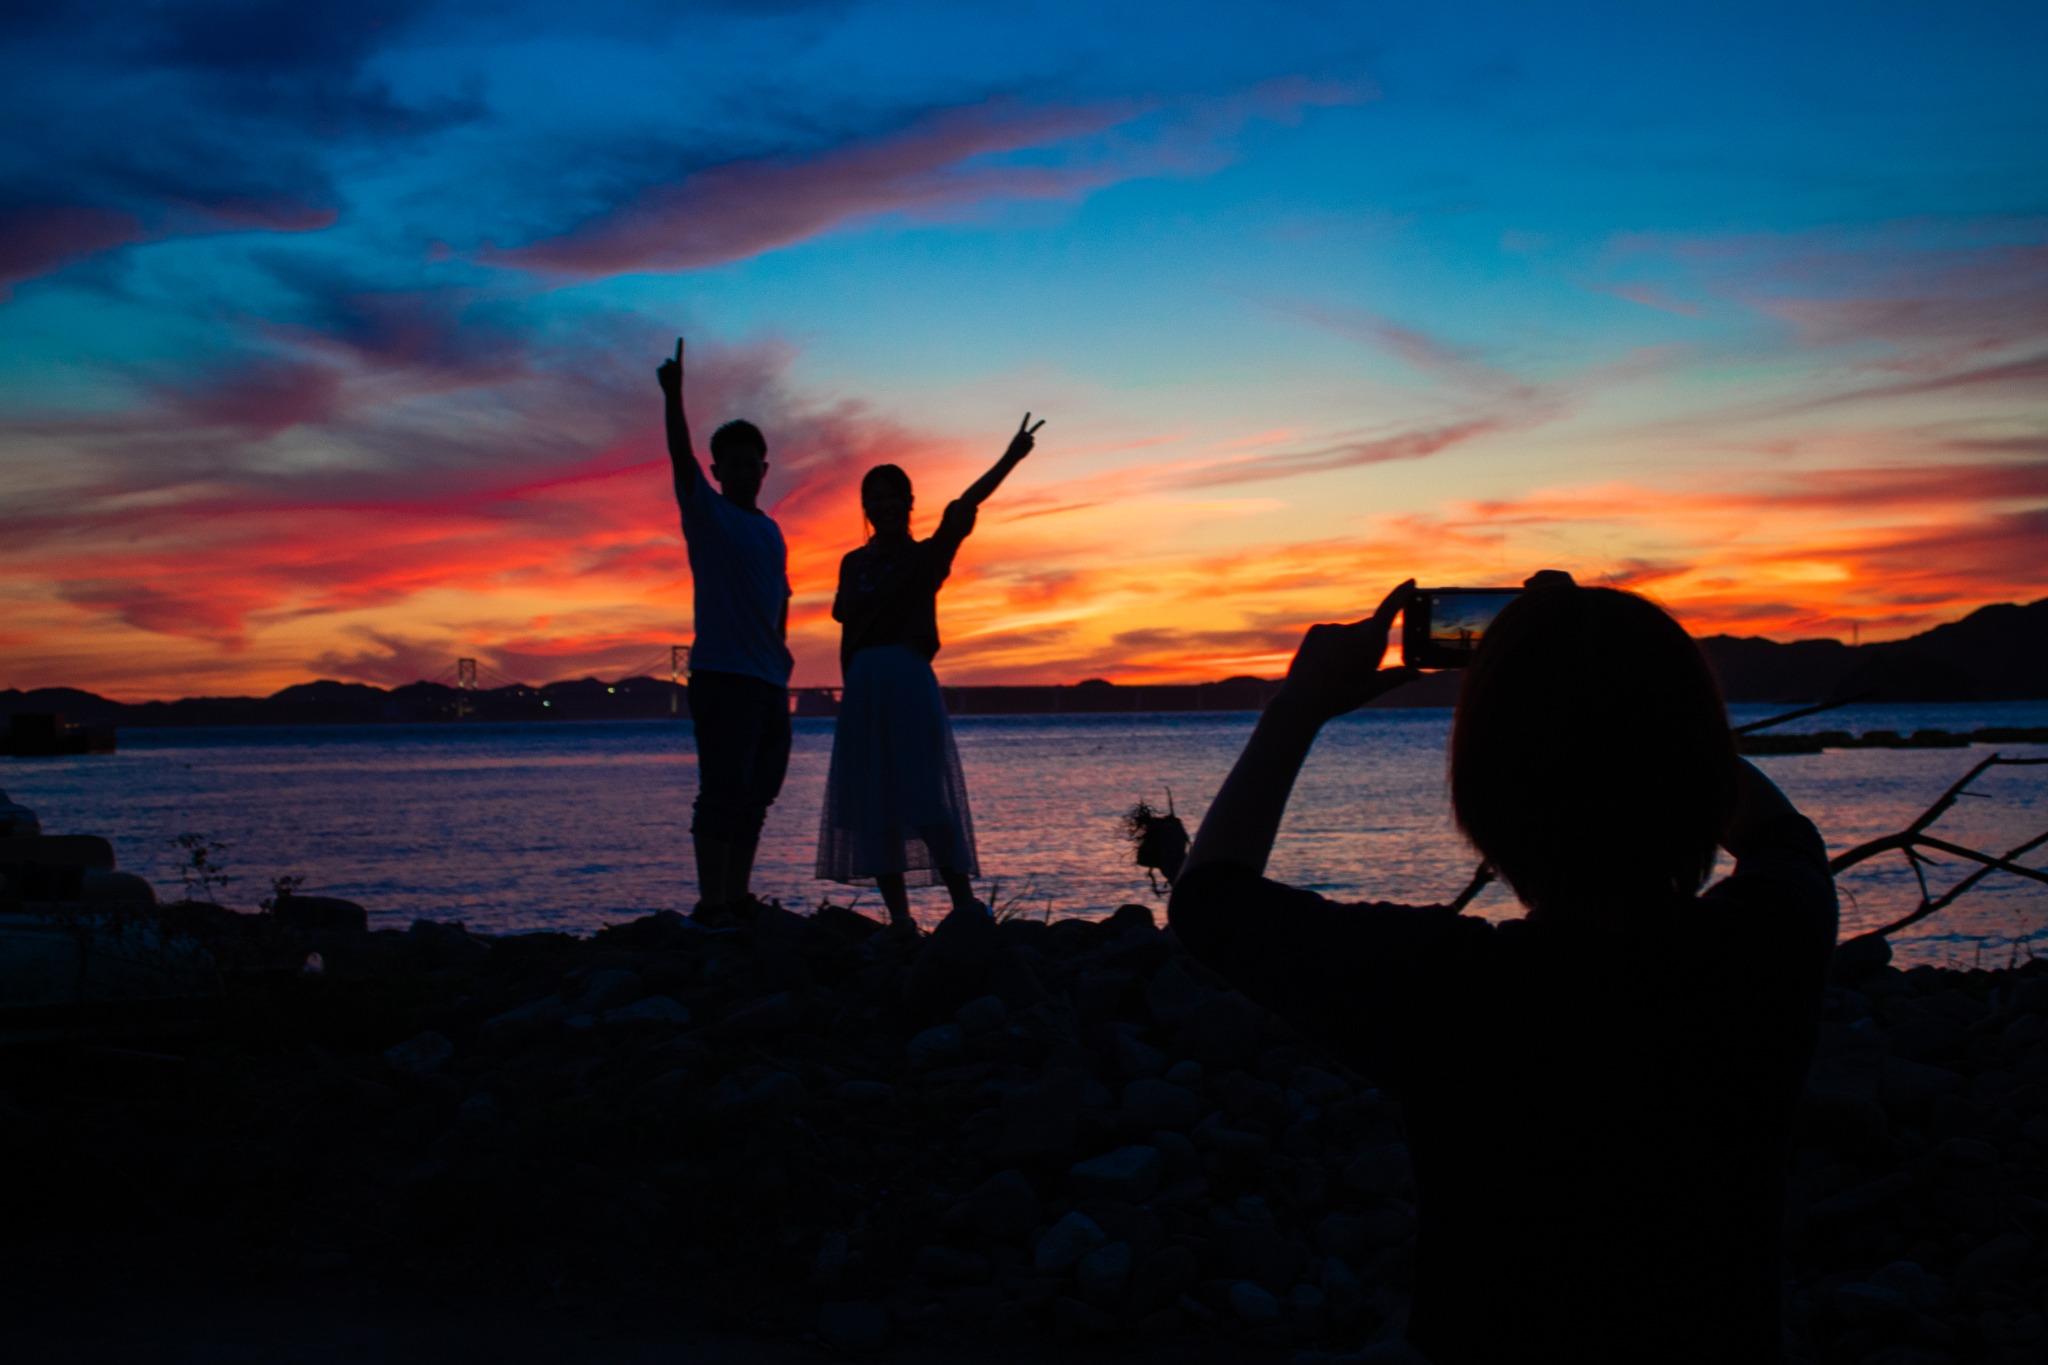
[[328, 331]]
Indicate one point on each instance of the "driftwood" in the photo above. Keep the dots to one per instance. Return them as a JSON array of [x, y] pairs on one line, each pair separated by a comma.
[[1913, 842]]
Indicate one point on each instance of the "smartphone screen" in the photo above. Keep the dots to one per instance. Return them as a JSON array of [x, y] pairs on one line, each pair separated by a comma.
[[1444, 626]]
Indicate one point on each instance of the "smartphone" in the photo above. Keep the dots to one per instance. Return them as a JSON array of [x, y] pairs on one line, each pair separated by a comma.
[[1442, 627]]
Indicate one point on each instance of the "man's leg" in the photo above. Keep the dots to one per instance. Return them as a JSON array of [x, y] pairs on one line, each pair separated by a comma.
[[714, 863], [767, 766], [721, 783]]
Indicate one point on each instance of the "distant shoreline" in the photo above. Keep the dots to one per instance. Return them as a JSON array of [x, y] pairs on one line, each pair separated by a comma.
[[1997, 653]]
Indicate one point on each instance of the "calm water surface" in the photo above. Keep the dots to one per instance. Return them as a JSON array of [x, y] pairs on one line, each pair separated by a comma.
[[569, 826]]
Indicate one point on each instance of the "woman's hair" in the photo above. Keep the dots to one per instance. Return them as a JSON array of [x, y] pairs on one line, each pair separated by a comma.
[[1591, 762], [883, 480]]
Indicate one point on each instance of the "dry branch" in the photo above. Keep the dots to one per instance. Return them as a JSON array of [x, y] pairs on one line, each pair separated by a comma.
[[1914, 838]]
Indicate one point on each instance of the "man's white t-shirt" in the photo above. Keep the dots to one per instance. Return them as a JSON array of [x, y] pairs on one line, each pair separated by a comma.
[[741, 570]]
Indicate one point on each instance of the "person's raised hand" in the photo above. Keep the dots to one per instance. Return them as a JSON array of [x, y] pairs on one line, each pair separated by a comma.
[[1337, 669], [670, 374], [1026, 437]]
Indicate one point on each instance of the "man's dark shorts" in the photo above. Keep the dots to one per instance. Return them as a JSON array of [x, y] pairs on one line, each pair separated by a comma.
[[742, 727]]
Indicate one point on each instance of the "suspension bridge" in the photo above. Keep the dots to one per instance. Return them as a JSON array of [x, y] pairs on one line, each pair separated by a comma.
[[469, 675]]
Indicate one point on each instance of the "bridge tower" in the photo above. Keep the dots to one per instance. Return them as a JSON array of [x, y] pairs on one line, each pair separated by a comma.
[[678, 665], [465, 683]]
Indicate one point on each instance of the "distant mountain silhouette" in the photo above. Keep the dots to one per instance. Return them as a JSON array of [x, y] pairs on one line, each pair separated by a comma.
[[1997, 653]]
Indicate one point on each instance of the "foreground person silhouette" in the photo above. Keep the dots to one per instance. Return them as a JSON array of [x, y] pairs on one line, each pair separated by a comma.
[[739, 661], [895, 799], [1598, 1095]]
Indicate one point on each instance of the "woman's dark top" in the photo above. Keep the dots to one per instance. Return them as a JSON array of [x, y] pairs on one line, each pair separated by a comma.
[[888, 591], [1599, 1121]]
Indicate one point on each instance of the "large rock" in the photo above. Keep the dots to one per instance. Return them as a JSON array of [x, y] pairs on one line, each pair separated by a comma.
[[1253, 1304], [953, 966], [1173, 995], [1161, 1276], [857, 1326], [421, 1055], [1003, 1208], [657, 1010], [1066, 1242], [608, 988], [1127, 1175], [1042, 1120], [1104, 1273], [951, 1265], [434, 944], [1150, 1104], [16, 818], [321, 914], [524, 1023], [1223, 1030], [981, 1014], [769, 1017], [114, 888], [935, 1046]]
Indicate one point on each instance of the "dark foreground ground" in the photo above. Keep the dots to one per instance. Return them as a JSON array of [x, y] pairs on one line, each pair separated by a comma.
[[806, 1137]]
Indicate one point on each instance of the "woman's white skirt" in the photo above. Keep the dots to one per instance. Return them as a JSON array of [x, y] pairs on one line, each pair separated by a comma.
[[896, 800]]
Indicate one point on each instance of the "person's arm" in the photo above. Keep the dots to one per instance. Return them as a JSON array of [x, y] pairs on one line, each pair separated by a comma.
[[1759, 805], [1337, 669], [1020, 445], [1781, 864], [682, 457]]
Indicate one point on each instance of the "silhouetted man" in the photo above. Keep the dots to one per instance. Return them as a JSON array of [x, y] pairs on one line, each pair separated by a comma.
[[740, 662]]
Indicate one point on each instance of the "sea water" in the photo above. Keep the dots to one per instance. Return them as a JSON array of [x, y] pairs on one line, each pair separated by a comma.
[[570, 825]]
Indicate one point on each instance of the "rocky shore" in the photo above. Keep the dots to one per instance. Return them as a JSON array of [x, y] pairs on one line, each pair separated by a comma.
[[809, 1129]]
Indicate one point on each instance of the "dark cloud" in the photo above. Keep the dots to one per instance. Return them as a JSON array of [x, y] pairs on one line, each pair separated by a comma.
[[437, 335], [387, 660], [139, 122], [259, 398], [1406, 445], [687, 217], [205, 609], [671, 212], [38, 238], [2023, 376]]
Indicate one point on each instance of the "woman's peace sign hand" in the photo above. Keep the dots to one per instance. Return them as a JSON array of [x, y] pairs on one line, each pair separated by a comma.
[[1026, 437]]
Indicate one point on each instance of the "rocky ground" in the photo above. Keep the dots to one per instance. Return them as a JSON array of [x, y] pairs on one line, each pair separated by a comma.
[[810, 1130]]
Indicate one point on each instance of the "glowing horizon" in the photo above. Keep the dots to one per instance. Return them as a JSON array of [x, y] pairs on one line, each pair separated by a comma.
[[330, 336]]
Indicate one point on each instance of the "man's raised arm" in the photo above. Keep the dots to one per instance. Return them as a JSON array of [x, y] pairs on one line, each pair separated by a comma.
[[681, 457]]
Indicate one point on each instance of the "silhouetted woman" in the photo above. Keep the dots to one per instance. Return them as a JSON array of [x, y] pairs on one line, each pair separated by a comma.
[[1598, 1094], [896, 801]]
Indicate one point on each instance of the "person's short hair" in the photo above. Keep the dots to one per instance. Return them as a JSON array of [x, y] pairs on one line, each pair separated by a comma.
[[885, 480], [738, 437], [1591, 761]]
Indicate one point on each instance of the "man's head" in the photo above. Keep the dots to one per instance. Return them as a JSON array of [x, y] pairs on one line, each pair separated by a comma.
[[886, 499], [1591, 762], [739, 460]]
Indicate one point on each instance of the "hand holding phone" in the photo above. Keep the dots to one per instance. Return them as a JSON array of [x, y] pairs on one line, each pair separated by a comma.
[[1337, 668]]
